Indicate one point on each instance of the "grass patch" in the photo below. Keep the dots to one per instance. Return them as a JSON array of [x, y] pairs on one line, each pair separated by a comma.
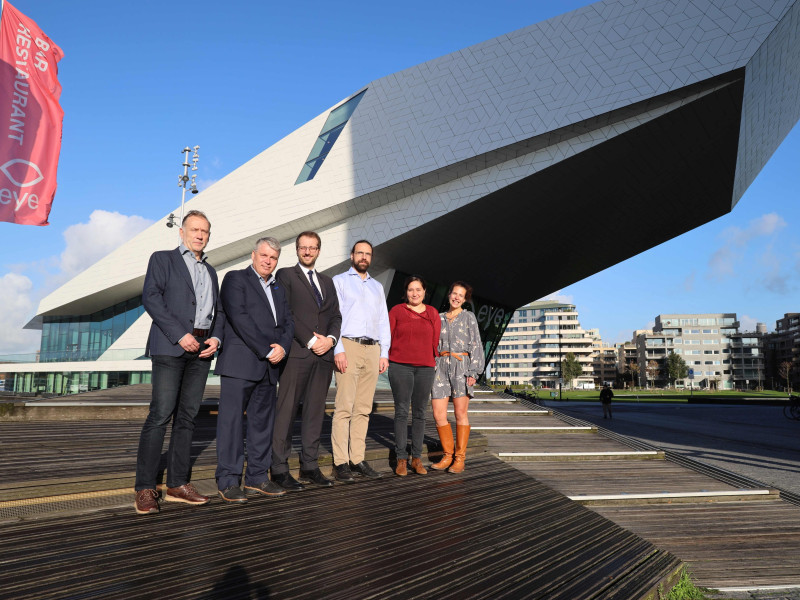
[[685, 589]]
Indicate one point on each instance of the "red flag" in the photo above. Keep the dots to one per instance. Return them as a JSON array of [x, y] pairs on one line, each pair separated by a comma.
[[30, 119]]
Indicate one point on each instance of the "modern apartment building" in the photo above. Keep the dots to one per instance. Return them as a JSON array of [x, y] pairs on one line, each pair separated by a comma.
[[627, 361], [783, 346], [717, 353], [537, 338]]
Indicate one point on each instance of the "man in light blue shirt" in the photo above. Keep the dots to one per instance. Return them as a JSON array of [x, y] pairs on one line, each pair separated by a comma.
[[361, 354]]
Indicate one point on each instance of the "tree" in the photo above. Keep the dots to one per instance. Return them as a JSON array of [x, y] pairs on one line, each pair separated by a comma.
[[785, 370], [632, 369], [652, 370], [676, 367], [570, 368]]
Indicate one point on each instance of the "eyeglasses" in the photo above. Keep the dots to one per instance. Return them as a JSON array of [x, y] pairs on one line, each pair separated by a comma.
[[309, 248]]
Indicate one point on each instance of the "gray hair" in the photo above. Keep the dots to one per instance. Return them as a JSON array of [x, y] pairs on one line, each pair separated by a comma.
[[269, 241], [196, 213]]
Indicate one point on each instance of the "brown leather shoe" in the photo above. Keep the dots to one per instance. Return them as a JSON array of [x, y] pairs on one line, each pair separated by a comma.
[[401, 469], [186, 493], [416, 466], [146, 502]]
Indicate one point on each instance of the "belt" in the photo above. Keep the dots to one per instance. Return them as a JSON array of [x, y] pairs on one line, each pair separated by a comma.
[[201, 333], [457, 355], [364, 341]]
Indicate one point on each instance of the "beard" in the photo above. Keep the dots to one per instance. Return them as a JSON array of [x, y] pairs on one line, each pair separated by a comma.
[[361, 266]]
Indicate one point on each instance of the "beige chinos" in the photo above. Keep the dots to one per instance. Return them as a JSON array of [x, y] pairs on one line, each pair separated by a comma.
[[355, 390]]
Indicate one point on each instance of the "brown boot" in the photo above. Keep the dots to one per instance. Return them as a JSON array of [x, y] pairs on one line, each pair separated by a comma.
[[446, 437], [462, 437], [416, 466], [400, 469]]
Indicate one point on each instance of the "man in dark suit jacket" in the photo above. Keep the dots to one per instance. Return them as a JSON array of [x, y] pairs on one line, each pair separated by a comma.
[[180, 294], [258, 333], [307, 376]]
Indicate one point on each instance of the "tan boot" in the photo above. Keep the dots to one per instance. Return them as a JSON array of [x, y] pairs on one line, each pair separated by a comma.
[[401, 469], [416, 466], [446, 437], [462, 437]]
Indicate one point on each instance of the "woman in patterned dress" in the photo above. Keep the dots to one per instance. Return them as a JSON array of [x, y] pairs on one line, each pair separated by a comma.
[[459, 364]]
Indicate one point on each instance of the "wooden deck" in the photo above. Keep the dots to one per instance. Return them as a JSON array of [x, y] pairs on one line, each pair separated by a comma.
[[730, 534], [491, 532], [501, 529]]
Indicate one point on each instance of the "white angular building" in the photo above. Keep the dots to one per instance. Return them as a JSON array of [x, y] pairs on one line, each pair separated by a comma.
[[648, 118]]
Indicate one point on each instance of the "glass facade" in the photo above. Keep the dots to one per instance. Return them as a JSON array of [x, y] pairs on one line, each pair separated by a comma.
[[334, 125], [66, 382], [86, 337]]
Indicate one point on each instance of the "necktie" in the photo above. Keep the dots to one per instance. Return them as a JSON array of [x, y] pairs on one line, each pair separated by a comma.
[[314, 288]]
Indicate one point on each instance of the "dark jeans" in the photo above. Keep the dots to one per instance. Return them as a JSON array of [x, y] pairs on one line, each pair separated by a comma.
[[178, 386], [410, 386]]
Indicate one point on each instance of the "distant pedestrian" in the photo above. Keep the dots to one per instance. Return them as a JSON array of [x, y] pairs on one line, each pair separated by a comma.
[[605, 399]]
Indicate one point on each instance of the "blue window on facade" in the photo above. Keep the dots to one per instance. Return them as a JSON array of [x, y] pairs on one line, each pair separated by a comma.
[[334, 125]]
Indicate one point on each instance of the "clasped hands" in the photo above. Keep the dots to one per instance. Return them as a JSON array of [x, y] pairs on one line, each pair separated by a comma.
[[190, 344]]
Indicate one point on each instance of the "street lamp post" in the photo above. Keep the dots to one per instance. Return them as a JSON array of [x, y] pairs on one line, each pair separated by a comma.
[[184, 179]]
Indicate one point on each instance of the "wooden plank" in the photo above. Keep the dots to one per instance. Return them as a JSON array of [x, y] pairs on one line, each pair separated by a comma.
[[738, 544], [489, 532]]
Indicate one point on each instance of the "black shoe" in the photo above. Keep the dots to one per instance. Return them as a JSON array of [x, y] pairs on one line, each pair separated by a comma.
[[342, 473], [365, 470], [316, 477], [265, 488], [287, 482], [234, 495]]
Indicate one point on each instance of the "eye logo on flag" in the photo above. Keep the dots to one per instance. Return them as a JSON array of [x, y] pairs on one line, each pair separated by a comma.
[[23, 183], [30, 119]]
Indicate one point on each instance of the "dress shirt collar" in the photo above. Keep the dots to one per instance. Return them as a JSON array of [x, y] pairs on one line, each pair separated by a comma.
[[269, 281], [183, 250], [305, 269], [353, 271]]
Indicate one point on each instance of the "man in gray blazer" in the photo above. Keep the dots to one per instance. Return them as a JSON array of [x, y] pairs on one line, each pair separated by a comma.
[[307, 376], [180, 294]]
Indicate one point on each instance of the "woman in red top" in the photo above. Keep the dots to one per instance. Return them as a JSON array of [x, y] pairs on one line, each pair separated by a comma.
[[412, 364]]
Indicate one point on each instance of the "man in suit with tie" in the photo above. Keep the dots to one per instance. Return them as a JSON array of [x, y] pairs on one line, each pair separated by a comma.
[[307, 376], [258, 333], [180, 294]]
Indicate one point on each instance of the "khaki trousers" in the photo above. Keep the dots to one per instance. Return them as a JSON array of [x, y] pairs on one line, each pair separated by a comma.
[[355, 390]]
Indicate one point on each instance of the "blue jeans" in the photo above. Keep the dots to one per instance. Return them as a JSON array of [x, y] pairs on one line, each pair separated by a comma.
[[410, 386], [178, 386]]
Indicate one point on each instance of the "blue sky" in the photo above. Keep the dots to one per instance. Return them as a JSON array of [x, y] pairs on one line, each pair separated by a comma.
[[142, 80]]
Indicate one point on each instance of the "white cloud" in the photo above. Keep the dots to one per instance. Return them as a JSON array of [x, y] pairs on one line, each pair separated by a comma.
[[723, 262], [203, 184], [688, 282], [85, 244], [557, 296], [89, 242], [18, 301], [748, 323]]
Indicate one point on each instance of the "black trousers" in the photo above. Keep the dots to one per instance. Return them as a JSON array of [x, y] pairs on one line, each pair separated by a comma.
[[303, 380]]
